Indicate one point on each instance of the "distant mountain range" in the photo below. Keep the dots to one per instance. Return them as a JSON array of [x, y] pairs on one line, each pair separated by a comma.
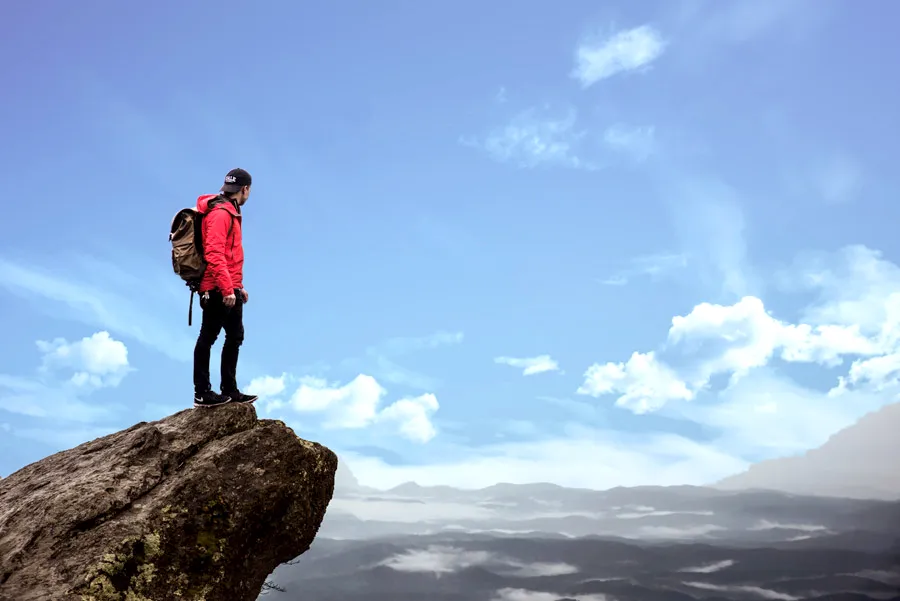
[[743, 546], [860, 461], [817, 527]]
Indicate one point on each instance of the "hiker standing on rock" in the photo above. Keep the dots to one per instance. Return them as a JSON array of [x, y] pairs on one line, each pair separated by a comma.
[[221, 289]]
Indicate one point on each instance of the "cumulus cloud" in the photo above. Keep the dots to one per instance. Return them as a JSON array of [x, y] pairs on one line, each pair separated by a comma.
[[530, 365], [268, 388], [734, 361], [353, 405], [722, 339], [624, 51], [728, 367], [96, 361], [645, 384], [69, 372]]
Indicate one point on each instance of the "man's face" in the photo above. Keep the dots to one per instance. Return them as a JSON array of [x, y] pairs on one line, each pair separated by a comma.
[[243, 195]]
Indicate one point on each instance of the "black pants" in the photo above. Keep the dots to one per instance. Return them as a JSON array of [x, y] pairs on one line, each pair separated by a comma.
[[217, 316]]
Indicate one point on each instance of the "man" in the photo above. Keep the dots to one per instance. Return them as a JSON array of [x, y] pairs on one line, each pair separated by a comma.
[[222, 294]]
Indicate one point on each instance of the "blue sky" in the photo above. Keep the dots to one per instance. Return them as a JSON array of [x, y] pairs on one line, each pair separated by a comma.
[[588, 245]]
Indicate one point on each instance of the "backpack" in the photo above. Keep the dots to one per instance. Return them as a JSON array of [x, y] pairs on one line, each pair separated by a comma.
[[186, 237]]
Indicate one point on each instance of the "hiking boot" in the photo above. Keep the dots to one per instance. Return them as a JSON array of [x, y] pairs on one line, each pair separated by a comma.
[[210, 399], [239, 397]]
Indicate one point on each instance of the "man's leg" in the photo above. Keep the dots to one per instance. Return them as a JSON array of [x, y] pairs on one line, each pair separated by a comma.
[[213, 313], [234, 337]]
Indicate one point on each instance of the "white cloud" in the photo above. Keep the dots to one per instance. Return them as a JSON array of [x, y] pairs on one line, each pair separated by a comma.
[[413, 416], [353, 405], [624, 51], [407, 344], [269, 389], [530, 365], [757, 411], [709, 219], [744, 336], [96, 361], [88, 364], [439, 559], [533, 138], [762, 593], [855, 321], [710, 567], [644, 383], [97, 293], [580, 458], [521, 594], [381, 360], [267, 386], [721, 339]]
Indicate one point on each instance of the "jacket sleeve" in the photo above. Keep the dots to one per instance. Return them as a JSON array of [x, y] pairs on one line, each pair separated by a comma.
[[215, 239]]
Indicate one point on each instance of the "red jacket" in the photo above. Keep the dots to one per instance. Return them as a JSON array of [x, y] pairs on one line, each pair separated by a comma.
[[222, 246]]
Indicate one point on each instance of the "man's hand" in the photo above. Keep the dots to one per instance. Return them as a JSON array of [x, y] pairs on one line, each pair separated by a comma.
[[245, 295], [229, 300]]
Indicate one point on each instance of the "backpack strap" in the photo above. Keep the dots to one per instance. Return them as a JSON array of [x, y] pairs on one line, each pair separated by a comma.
[[211, 206]]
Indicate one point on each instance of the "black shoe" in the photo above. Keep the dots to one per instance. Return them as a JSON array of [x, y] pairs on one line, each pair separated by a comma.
[[239, 397], [210, 399]]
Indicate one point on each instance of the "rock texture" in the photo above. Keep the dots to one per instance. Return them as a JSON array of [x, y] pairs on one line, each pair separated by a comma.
[[201, 505]]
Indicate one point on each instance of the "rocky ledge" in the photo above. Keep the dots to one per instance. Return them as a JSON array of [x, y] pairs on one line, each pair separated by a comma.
[[200, 506]]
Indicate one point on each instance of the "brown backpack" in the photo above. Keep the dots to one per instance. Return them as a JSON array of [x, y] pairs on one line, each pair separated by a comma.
[[186, 237]]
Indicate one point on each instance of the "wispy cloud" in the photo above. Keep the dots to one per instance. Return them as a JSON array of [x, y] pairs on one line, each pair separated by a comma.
[[535, 138], [79, 286], [530, 365], [569, 459], [628, 50], [652, 266], [708, 216], [409, 344], [382, 360]]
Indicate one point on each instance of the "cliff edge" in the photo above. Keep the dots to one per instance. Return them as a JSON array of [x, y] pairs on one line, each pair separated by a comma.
[[200, 506]]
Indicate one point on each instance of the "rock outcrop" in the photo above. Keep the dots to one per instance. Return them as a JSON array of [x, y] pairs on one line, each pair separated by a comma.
[[200, 506]]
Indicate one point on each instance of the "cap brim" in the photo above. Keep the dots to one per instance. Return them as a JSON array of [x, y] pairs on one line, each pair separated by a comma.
[[230, 188]]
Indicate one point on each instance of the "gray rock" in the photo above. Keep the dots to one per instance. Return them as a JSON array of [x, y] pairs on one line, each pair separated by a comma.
[[201, 505]]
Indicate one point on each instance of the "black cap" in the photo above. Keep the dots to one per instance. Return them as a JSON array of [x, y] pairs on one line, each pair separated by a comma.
[[235, 180]]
